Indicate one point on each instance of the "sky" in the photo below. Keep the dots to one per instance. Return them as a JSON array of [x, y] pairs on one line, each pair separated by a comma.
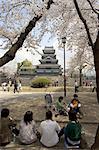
[[34, 57]]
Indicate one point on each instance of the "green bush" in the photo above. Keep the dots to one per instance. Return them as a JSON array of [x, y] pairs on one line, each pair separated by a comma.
[[40, 82]]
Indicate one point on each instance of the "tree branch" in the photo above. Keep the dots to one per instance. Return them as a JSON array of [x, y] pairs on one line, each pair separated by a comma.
[[9, 55], [17, 5], [7, 37], [92, 7], [84, 22]]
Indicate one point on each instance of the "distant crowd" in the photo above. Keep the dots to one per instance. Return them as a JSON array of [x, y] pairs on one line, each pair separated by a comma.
[[86, 84], [16, 84]]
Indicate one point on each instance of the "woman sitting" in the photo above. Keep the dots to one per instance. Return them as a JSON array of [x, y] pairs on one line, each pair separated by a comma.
[[27, 129]]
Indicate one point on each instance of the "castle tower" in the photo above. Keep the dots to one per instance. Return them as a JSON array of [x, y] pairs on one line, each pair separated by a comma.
[[49, 63]]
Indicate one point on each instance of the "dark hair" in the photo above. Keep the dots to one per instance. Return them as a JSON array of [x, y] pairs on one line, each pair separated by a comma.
[[49, 115], [75, 95], [4, 113], [28, 117], [60, 98], [72, 115]]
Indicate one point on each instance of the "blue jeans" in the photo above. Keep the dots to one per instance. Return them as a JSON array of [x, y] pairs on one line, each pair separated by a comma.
[[67, 146]]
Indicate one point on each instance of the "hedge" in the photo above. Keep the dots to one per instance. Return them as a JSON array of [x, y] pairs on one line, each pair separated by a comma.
[[40, 82]]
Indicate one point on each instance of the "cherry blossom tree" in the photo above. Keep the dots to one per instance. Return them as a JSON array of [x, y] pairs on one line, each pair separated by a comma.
[[81, 61], [20, 38], [21, 21], [93, 43]]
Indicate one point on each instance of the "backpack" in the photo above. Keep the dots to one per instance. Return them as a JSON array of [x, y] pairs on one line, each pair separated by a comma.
[[73, 131], [48, 98]]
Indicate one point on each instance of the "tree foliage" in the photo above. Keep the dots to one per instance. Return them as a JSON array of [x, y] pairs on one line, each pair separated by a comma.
[[81, 58], [24, 23], [26, 63], [23, 20], [10, 54]]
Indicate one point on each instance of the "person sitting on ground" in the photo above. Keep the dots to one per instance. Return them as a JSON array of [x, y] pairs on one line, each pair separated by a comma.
[[72, 132], [49, 130], [75, 105], [27, 128], [6, 124], [60, 107]]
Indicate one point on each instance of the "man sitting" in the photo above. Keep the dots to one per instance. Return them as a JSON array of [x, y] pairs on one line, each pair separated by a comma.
[[49, 130]]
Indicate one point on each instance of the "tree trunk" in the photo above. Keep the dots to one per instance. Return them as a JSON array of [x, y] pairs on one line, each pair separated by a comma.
[[96, 144], [96, 62], [10, 54]]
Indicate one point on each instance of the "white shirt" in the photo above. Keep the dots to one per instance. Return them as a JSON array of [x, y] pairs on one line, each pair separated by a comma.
[[49, 130], [76, 84], [27, 133]]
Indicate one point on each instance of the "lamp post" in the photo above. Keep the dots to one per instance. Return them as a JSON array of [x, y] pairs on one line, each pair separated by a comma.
[[64, 42]]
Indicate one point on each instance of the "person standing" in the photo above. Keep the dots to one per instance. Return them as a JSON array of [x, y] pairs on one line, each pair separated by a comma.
[[9, 85], [76, 86], [15, 86], [4, 86], [48, 100]]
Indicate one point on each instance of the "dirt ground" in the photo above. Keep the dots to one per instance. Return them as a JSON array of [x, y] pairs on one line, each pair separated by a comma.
[[19, 103]]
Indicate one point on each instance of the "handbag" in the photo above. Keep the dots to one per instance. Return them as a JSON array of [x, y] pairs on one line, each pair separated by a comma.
[[83, 142], [15, 131]]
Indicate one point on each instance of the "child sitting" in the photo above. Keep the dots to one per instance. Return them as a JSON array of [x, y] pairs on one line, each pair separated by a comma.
[[75, 105]]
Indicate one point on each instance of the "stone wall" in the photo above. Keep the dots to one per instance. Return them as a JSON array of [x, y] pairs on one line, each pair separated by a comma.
[[26, 80]]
